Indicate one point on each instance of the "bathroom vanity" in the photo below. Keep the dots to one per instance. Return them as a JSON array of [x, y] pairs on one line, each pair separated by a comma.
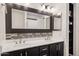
[[51, 49]]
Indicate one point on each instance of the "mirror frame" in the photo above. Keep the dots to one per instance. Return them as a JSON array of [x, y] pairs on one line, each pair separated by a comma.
[[8, 16], [60, 18]]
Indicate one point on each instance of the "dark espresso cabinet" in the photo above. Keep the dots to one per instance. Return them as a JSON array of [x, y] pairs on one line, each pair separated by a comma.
[[53, 51], [60, 49], [13, 53], [38, 51], [33, 51], [56, 49]]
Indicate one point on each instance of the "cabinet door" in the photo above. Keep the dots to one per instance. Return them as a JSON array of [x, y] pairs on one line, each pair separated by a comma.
[[53, 51], [60, 49], [57, 49], [15, 53], [33, 51]]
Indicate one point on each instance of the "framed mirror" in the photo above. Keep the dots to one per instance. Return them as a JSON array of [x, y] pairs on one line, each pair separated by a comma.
[[57, 23], [29, 20], [20, 19]]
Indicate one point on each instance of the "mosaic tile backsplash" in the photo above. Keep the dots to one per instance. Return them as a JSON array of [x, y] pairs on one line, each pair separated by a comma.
[[26, 35]]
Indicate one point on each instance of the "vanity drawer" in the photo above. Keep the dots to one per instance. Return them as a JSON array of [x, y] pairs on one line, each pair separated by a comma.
[[43, 49], [44, 54]]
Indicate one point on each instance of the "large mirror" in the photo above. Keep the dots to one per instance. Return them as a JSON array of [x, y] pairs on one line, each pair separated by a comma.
[[20, 19], [29, 20]]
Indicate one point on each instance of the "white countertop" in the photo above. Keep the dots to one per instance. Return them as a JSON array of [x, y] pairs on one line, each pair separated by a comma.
[[28, 44]]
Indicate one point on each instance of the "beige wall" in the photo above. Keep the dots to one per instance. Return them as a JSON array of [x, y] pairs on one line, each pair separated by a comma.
[[2, 25], [63, 34]]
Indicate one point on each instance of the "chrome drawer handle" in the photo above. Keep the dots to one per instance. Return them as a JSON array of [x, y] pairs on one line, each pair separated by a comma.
[[44, 49]]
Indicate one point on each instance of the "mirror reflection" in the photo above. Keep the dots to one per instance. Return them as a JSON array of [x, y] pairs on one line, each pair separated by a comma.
[[29, 20]]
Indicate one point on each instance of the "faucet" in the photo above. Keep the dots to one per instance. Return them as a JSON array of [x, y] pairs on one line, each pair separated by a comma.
[[47, 38], [20, 41]]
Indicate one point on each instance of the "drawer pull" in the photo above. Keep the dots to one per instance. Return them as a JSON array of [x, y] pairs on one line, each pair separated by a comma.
[[44, 55], [44, 49]]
